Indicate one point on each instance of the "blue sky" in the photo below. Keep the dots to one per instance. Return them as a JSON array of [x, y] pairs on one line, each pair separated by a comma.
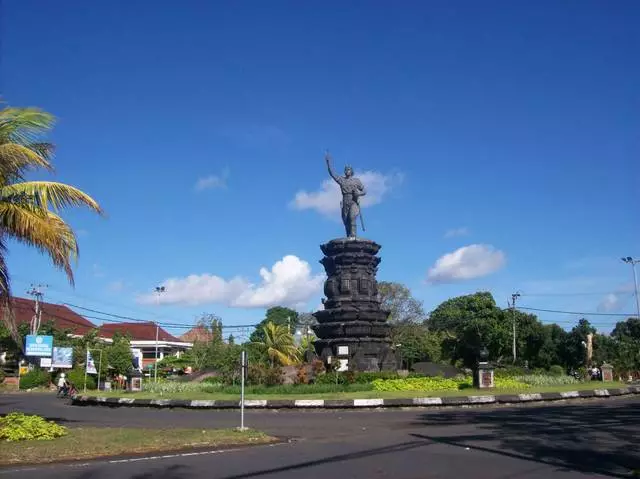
[[507, 129]]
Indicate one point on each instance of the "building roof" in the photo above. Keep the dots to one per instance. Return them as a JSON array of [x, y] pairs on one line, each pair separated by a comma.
[[62, 317], [197, 333], [137, 331]]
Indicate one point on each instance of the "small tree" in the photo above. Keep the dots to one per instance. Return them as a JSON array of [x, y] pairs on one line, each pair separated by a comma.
[[119, 356]]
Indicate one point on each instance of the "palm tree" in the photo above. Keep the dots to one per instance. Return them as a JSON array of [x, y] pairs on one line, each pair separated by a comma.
[[279, 345], [29, 209]]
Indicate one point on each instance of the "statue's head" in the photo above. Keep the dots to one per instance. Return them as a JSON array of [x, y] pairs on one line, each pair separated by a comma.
[[348, 171]]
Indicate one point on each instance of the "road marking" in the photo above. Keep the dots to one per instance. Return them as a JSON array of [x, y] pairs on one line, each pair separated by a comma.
[[427, 401], [481, 399], [570, 394], [368, 402], [309, 402], [530, 397]]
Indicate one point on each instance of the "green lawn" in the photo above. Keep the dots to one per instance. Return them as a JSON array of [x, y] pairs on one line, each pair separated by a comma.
[[361, 394], [86, 443]]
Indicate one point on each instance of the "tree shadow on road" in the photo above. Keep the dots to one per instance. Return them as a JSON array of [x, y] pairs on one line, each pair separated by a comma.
[[587, 438]]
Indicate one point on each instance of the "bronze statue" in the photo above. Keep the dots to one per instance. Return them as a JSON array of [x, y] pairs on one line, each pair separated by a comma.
[[352, 189]]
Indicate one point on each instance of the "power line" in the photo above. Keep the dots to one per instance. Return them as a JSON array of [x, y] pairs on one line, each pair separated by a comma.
[[578, 313], [577, 294]]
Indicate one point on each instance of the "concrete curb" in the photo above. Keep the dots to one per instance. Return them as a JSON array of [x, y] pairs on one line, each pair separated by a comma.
[[80, 400]]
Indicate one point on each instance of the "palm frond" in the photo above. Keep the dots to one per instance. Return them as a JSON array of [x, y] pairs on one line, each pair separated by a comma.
[[17, 159], [24, 125], [43, 230], [50, 194]]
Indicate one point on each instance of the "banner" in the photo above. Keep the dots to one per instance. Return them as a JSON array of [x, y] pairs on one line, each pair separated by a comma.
[[45, 362], [36, 345], [91, 365], [62, 358]]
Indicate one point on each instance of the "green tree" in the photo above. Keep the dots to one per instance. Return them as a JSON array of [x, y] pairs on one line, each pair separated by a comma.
[[453, 313], [278, 344], [416, 343], [29, 210], [279, 316], [398, 300], [119, 356]]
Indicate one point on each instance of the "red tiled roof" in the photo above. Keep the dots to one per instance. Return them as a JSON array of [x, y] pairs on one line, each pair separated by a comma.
[[198, 333], [62, 317], [136, 331]]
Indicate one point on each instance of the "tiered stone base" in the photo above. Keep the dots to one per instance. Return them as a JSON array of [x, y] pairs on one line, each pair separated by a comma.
[[352, 329]]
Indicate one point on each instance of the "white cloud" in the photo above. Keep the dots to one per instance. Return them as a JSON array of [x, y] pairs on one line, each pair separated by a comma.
[[468, 262], [326, 200], [455, 232], [212, 181], [288, 283], [616, 300], [97, 271], [116, 286]]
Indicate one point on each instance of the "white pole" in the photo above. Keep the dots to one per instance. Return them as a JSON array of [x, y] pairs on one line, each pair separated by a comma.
[[86, 366], [99, 369], [155, 373], [242, 363], [635, 283]]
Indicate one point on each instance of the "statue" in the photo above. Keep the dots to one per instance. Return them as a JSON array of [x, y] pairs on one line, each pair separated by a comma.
[[352, 189]]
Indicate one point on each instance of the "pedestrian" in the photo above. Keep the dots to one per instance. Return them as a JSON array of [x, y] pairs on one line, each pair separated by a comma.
[[62, 385]]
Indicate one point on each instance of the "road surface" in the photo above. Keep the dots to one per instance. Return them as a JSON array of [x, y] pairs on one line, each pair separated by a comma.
[[595, 438]]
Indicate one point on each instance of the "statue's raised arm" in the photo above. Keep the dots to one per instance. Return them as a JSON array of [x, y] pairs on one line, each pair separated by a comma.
[[327, 158]]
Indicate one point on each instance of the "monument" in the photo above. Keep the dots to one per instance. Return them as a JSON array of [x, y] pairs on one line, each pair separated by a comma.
[[352, 330]]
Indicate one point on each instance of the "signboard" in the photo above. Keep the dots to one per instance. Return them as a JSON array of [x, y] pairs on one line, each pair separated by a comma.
[[91, 365], [23, 370], [62, 358], [45, 362], [37, 345]]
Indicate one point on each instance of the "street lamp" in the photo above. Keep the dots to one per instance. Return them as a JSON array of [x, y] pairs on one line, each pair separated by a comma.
[[159, 290], [633, 262]]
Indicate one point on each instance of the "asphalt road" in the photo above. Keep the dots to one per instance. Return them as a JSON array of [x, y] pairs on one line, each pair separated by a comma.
[[595, 438]]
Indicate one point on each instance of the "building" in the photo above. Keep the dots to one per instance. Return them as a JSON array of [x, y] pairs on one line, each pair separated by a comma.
[[62, 317], [143, 341], [197, 334], [142, 335]]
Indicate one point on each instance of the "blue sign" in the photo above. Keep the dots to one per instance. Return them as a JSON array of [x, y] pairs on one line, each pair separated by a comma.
[[37, 345]]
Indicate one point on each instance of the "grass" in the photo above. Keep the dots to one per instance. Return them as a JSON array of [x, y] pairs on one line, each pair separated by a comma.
[[362, 394], [86, 443]]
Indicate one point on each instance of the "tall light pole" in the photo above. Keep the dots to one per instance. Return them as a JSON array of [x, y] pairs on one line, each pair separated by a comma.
[[514, 296], [633, 262], [159, 291]]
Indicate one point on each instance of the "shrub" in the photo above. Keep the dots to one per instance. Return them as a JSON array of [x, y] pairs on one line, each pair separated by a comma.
[[2, 375], [301, 376], [259, 374], [510, 383], [416, 384], [440, 384], [546, 380], [17, 426], [76, 377], [34, 379], [317, 366], [556, 370]]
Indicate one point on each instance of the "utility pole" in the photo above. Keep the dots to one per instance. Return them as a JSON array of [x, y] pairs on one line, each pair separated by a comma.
[[159, 291], [633, 262], [36, 292], [514, 296]]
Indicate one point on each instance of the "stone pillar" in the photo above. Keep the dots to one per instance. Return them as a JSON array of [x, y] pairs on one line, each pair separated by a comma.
[[483, 374], [353, 326], [606, 371]]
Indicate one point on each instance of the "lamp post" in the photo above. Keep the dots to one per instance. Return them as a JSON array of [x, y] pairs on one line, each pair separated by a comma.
[[159, 291], [633, 262]]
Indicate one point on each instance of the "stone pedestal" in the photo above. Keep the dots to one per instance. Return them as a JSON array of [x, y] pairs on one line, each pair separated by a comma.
[[606, 372], [353, 328], [483, 376]]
